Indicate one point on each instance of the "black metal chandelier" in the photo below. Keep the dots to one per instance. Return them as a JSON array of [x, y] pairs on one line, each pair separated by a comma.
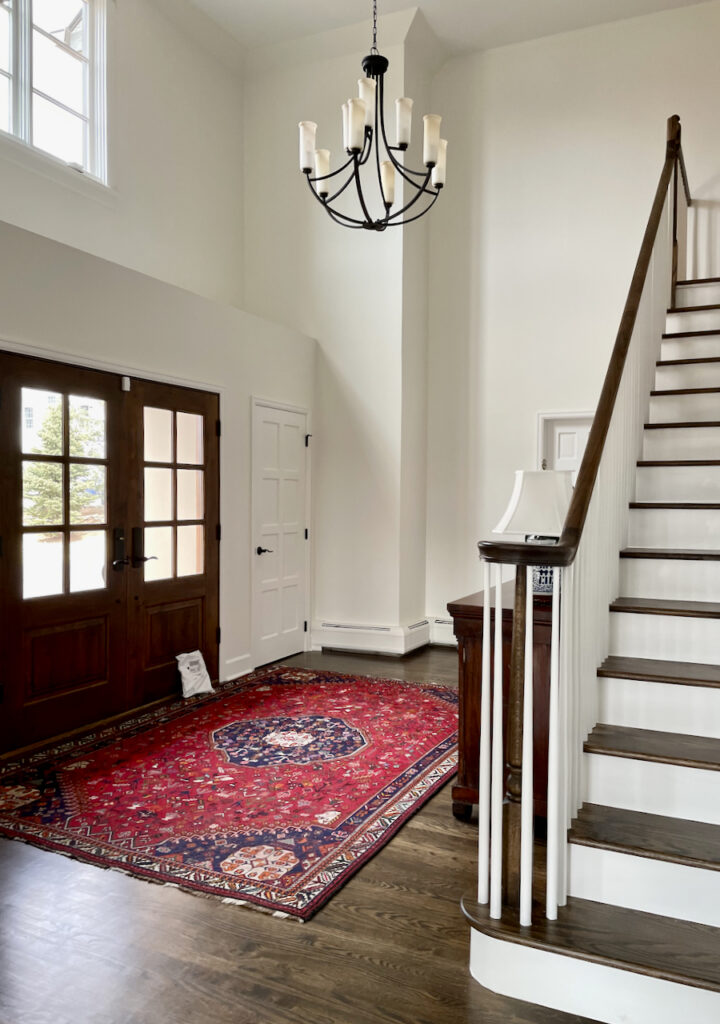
[[363, 133]]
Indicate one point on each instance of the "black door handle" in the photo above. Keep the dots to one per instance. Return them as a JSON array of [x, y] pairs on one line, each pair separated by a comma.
[[263, 551], [119, 559], [138, 548]]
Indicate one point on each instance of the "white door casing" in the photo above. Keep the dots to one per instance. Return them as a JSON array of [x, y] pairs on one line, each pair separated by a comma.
[[562, 438], [279, 517]]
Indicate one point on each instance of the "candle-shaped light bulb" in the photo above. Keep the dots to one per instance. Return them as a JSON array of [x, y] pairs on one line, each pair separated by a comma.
[[346, 126], [403, 121], [367, 87], [387, 177], [356, 125], [438, 172], [431, 139], [308, 131], [322, 167]]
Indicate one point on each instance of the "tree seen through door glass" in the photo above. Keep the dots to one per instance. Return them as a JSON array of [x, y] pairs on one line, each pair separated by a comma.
[[42, 494], [87, 427], [42, 422]]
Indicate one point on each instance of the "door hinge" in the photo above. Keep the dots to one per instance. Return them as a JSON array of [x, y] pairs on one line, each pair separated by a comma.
[[218, 532], [305, 629], [307, 440], [217, 428], [307, 534], [217, 635]]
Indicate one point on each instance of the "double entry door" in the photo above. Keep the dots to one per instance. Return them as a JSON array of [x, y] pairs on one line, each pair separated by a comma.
[[109, 494]]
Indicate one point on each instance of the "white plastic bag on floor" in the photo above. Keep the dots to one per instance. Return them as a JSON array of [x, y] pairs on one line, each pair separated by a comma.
[[194, 675]]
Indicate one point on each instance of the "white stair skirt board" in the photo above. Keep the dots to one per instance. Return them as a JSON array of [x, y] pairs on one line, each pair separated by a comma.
[[676, 579], [654, 787], [682, 443], [693, 320], [688, 375], [691, 348], [697, 294], [371, 639], [678, 483], [592, 990], [674, 528], [644, 883], [685, 408], [441, 632], [665, 637], [665, 707]]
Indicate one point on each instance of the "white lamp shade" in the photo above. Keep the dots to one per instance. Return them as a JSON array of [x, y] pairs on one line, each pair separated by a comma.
[[438, 173], [403, 120], [366, 92], [308, 131], [538, 504], [431, 138]]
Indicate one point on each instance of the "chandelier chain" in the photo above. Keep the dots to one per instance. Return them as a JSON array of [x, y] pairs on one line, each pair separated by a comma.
[[374, 48]]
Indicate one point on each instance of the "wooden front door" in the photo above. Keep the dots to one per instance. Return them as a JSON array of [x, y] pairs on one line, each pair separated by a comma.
[[87, 628]]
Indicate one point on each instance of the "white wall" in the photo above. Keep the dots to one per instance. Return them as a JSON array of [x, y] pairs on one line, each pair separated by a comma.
[[175, 151], [557, 146], [63, 301]]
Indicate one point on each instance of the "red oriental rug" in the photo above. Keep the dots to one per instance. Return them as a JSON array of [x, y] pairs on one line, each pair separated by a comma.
[[273, 791]]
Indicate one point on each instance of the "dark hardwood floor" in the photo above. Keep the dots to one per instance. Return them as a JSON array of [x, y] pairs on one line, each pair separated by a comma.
[[80, 945]]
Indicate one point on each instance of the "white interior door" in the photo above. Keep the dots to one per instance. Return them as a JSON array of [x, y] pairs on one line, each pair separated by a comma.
[[563, 438], [279, 486]]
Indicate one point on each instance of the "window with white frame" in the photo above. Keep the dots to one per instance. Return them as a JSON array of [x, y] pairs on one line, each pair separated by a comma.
[[52, 79]]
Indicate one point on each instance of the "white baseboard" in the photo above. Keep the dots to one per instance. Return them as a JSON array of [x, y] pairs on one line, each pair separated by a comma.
[[441, 632], [233, 668], [370, 639]]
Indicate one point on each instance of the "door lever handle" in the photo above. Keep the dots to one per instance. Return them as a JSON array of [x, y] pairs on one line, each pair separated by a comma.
[[146, 558], [263, 551], [117, 562]]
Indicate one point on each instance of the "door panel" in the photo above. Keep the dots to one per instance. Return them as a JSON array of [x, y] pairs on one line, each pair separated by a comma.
[[93, 480]]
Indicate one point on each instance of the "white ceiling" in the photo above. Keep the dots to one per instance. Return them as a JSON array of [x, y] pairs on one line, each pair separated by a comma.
[[462, 25]]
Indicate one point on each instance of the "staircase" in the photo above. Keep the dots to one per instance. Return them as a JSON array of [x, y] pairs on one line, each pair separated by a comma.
[[639, 939]]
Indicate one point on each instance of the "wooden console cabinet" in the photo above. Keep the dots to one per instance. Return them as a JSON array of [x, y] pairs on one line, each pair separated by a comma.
[[467, 614]]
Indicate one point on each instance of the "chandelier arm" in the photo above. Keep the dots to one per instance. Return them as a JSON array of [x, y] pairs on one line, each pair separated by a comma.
[[361, 197], [332, 174], [392, 223], [418, 194], [351, 221], [404, 171], [333, 197]]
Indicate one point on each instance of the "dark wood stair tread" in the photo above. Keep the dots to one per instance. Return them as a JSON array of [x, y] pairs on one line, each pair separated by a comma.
[[661, 947], [665, 606], [684, 391], [673, 554], [693, 309], [683, 425], [650, 745], [678, 462], [698, 280], [688, 334], [686, 673], [656, 836], [687, 362], [706, 505]]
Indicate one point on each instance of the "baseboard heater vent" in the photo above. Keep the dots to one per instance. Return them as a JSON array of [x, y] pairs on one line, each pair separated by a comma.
[[419, 625], [361, 629], [443, 622]]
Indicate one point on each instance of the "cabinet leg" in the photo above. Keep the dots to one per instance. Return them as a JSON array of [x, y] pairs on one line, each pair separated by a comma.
[[462, 812]]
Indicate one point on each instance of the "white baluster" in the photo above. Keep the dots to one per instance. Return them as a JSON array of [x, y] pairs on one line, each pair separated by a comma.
[[498, 773], [526, 805], [553, 796], [485, 733]]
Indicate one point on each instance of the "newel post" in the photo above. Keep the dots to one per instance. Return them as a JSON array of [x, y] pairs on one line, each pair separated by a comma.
[[673, 151], [514, 763]]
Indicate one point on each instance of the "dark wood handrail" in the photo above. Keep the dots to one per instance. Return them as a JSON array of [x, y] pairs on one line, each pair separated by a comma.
[[564, 552]]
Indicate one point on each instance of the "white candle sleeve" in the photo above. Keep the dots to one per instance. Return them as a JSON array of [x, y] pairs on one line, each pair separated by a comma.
[[356, 119], [322, 167], [403, 120], [308, 131], [387, 176], [346, 126], [431, 138], [438, 174], [367, 87]]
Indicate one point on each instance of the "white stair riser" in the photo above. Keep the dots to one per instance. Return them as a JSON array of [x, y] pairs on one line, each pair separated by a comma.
[[674, 528], [653, 787], [665, 707], [689, 375], [684, 408], [682, 443], [676, 579], [665, 637], [645, 884], [691, 348], [699, 320], [591, 990], [697, 294], [678, 483]]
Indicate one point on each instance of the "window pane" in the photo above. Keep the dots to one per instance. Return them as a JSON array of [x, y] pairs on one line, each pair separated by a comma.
[[42, 564], [5, 35], [58, 74], [190, 553], [42, 422], [158, 494], [87, 494], [87, 427], [158, 435], [58, 132], [42, 494], [88, 557], [159, 543], [190, 504], [4, 104], [66, 20], [190, 438]]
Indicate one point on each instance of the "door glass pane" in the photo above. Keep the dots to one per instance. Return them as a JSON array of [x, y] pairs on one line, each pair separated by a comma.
[[190, 504], [88, 558], [63, 19], [87, 494], [190, 438], [5, 29], [190, 554], [158, 435], [58, 132], [159, 542], [87, 427], [42, 422], [42, 564], [58, 73], [42, 494], [158, 494], [4, 104]]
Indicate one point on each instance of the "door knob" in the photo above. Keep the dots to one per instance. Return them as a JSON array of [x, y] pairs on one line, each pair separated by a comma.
[[263, 551]]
